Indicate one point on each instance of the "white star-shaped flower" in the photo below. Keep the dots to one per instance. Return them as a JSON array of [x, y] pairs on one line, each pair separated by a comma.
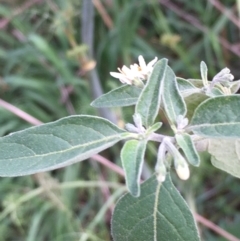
[[146, 69], [136, 73]]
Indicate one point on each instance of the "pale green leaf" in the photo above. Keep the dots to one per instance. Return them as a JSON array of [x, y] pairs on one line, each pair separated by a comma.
[[198, 83], [215, 92], [150, 98], [56, 144], [204, 70], [173, 102], [192, 102], [184, 84], [217, 117], [234, 86], [123, 96], [186, 144], [132, 156], [154, 127], [186, 88], [160, 213], [225, 155]]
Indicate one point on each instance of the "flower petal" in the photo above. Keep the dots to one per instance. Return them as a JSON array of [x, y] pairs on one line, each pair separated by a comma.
[[230, 77], [116, 75], [130, 74], [121, 77], [126, 70], [134, 67], [142, 62], [151, 63]]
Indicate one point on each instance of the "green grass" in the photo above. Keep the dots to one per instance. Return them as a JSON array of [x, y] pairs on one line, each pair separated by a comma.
[[42, 61]]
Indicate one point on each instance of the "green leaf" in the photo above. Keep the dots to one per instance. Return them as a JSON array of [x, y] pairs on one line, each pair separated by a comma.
[[204, 70], [225, 155], [173, 102], [150, 99], [198, 83], [124, 96], [186, 88], [215, 92], [160, 213], [192, 102], [56, 144], [217, 117], [154, 127], [186, 144], [234, 86], [132, 156]]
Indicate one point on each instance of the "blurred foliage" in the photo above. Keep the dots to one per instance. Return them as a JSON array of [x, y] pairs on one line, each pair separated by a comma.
[[45, 72]]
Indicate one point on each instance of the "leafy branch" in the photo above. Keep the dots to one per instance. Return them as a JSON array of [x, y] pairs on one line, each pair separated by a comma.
[[196, 110]]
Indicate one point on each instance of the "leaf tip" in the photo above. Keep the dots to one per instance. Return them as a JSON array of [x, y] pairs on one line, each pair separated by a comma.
[[94, 103], [135, 193]]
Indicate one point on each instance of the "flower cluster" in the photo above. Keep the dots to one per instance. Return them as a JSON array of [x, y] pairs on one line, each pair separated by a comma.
[[223, 76], [223, 80], [136, 73]]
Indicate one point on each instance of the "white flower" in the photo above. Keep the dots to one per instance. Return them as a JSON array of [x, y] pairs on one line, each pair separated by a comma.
[[126, 76], [146, 69], [136, 73]]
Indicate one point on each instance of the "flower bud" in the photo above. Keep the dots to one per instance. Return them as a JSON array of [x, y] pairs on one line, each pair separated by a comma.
[[223, 72], [182, 171], [180, 163], [138, 122], [181, 122], [161, 173], [160, 177], [223, 76], [131, 128]]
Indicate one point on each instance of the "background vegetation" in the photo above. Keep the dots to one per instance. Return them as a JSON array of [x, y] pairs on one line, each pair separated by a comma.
[[48, 50]]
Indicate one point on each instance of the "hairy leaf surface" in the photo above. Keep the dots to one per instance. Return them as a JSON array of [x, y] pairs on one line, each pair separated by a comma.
[[186, 88], [160, 213], [186, 144], [193, 101], [150, 98], [226, 155], [132, 156], [123, 96], [173, 102], [56, 144], [217, 117]]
